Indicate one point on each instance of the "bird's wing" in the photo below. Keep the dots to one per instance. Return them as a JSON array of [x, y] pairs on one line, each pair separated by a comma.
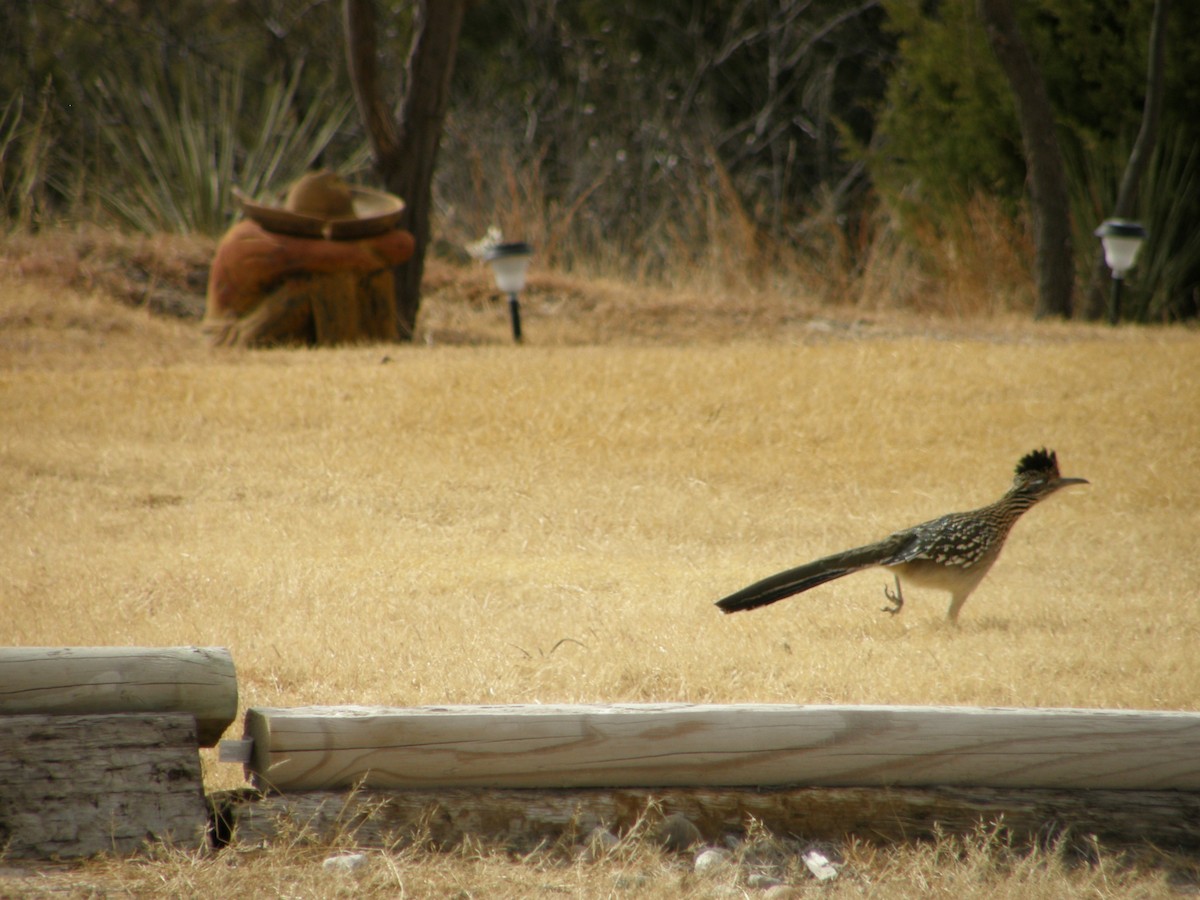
[[903, 546], [952, 540]]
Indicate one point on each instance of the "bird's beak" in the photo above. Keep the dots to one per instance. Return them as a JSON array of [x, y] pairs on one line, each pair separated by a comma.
[[1067, 482]]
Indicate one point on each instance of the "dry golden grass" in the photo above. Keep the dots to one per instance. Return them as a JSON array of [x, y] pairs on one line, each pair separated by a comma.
[[975, 866], [551, 523]]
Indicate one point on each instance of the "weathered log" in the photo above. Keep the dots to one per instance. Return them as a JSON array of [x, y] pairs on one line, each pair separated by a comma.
[[666, 745], [199, 681], [74, 786], [523, 819]]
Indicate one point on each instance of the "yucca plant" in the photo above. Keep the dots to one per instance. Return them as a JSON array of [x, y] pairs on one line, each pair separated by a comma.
[[1159, 287], [175, 159], [25, 151], [1170, 264], [10, 126]]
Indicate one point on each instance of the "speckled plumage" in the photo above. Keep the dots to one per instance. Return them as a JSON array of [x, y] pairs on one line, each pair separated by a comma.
[[951, 553]]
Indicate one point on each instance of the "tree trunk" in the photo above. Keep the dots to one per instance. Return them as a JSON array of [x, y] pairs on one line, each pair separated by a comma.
[[1139, 158], [1047, 183], [406, 147]]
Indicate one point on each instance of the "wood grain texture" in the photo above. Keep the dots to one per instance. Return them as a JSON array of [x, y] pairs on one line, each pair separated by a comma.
[[666, 745], [524, 819], [199, 681], [74, 786]]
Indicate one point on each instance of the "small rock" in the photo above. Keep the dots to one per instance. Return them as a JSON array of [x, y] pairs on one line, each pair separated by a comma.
[[598, 844], [820, 866], [763, 882], [710, 859], [782, 892], [677, 833], [346, 862], [630, 882]]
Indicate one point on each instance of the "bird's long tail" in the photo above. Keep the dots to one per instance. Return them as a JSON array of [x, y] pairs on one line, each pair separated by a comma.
[[802, 578]]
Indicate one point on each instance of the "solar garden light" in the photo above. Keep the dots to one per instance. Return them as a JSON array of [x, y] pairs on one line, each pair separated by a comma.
[[509, 262], [1122, 239]]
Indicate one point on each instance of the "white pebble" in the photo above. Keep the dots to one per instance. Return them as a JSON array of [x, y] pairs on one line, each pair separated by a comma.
[[598, 845], [346, 862], [710, 859], [820, 866], [762, 882]]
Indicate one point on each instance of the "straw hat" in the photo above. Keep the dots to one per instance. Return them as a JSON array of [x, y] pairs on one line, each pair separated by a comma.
[[320, 204]]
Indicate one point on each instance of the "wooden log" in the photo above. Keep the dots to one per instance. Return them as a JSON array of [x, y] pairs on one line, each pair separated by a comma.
[[523, 819], [74, 786], [199, 681], [665, 745]]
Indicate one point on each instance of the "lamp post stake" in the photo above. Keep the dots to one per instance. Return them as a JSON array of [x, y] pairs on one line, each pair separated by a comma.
[[1114, 301], [1122, 240], [509, 262], [514, 310]]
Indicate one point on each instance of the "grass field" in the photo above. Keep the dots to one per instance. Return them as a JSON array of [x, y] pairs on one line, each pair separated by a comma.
[[465, 521]]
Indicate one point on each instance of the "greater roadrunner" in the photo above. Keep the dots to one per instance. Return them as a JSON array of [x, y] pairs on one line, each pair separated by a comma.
[[952, 553]]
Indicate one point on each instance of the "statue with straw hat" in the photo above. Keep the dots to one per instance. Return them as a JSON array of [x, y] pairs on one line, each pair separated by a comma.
[[320, 204], [315, 269]]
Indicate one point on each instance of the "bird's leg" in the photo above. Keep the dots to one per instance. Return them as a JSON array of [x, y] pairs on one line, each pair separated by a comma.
[[897, 598]]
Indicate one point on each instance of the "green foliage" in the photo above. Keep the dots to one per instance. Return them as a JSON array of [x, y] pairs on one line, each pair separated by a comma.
[[23, 154], [1162, 286], [658, 135], [1171, 209], [76, 71], [176, 158], [948, 129], [1092, 57]]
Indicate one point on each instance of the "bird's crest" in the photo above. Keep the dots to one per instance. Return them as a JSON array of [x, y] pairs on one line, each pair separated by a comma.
[[1042, 461]]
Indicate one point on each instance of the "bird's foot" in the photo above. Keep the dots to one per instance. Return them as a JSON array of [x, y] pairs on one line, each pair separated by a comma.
[[897, 599]]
